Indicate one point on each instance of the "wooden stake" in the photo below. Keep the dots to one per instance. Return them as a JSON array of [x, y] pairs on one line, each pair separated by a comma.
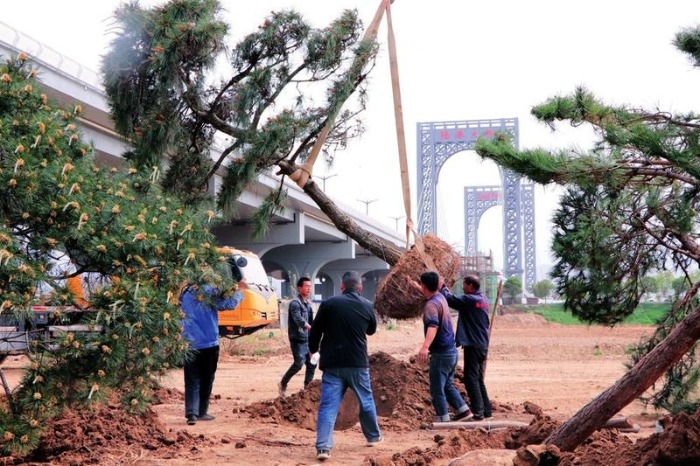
[[493, 318]]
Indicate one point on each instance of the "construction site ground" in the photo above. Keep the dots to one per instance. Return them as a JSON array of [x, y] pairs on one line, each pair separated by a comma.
[[535, 369]]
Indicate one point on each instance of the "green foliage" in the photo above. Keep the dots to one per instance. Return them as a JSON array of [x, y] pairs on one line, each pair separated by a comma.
[[555, 313], [649, 284], [593, 234], [648, 314], [55, 201], [153, 67], [159, 86], [680, 286], [664, 281], [688, 40], [645, 314], [683, 283], [513, 287], [543, 289]]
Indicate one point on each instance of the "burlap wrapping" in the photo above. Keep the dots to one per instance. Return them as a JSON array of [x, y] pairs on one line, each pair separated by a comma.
[[396, 297]]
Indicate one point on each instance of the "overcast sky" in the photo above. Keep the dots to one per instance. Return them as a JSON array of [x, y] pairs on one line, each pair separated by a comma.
[[457, 61]]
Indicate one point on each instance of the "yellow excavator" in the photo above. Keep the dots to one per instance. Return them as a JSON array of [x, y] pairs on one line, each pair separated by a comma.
[[260, 305], [258, 309]]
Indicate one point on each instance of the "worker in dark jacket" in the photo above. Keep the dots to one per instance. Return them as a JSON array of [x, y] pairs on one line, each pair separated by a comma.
[[339, 332], [473, 336], [298, 325]]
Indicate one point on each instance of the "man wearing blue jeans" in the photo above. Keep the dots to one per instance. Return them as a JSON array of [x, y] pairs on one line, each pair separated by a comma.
[[439, 347], [200, 327], [339, 332]]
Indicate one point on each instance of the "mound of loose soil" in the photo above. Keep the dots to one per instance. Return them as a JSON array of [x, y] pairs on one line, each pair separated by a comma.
[[162, 395], [602, 448], [103, 434], [401, 394], [447, 446], [460, 441], [678, 444]]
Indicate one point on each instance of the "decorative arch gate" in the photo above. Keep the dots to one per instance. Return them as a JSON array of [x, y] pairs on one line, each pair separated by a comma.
[[437, 142], [479, 199]]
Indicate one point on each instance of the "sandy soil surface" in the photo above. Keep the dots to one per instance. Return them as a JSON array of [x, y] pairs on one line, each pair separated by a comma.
[[557, 368]]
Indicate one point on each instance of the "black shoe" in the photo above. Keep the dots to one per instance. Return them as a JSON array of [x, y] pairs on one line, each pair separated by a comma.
[[463, 415], [191, 420], [206, 417], [477, 417], [488, 415], [323, 455]]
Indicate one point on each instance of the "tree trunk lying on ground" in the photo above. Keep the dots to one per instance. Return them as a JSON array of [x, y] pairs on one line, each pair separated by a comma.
[[647, 371]]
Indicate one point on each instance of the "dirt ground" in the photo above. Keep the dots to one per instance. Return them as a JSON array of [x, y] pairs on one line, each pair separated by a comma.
[[538, 372]]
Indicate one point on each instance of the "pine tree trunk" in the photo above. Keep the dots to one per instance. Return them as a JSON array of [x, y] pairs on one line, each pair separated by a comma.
[[649, 369], [378, 246]]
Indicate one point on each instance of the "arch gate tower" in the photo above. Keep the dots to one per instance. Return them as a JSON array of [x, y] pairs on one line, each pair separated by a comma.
[[479, 199], [437, 142]]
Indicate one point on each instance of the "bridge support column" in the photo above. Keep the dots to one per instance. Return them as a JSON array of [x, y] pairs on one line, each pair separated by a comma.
[[329, 260], [305, 260], [363, 266]]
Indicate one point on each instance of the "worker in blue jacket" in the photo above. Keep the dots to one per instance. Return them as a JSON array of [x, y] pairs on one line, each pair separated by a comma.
[[200, 326]]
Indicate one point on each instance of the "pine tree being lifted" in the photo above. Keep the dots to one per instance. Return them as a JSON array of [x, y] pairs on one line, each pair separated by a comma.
[[631, 208], [163, 99]]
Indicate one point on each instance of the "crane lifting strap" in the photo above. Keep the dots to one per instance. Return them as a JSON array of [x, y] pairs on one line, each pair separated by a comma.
[[302, 174], [401, 140]]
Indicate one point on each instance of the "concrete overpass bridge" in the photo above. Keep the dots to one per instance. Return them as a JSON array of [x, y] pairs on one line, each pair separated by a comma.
[[302, 241]]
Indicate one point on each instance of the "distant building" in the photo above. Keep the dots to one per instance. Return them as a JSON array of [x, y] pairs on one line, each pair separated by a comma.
[[482, 267]]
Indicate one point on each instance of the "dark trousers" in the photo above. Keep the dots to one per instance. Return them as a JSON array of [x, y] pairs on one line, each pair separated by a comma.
[[300, 353], [474, 381], [199, 380]]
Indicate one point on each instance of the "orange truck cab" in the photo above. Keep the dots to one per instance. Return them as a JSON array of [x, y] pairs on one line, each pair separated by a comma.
[[260, 305]]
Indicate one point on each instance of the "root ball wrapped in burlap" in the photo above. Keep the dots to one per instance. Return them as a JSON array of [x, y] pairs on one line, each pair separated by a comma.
[[396, 296]]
